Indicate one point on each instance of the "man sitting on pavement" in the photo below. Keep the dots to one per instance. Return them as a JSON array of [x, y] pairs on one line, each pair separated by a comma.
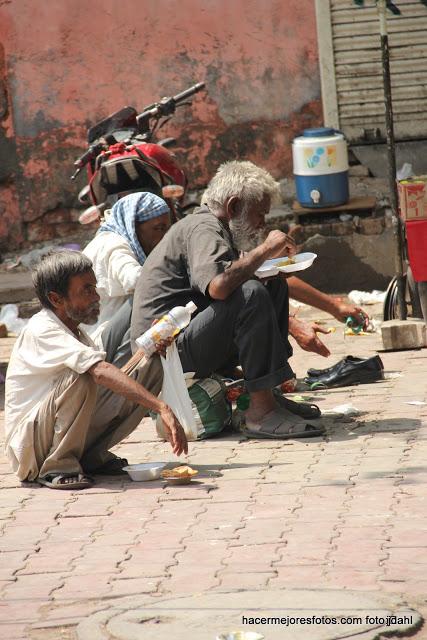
[[239, 319], [66, 405]]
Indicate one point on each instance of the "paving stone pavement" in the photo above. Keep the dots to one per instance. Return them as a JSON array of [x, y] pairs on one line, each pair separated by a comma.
[[343, 512]]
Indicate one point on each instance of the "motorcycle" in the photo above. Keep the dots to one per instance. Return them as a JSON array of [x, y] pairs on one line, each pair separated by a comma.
[[123, 157]]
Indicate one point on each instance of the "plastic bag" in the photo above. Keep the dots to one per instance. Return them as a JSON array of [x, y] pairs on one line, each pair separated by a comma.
[[175, 393], [405, 171], [366, 297], [9, 317], [202, 408], [342, 410]]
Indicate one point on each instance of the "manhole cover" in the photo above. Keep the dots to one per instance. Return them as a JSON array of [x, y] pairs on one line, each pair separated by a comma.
[[273, 615]]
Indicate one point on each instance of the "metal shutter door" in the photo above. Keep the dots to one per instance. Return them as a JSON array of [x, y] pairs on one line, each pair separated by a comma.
[[351, 72]]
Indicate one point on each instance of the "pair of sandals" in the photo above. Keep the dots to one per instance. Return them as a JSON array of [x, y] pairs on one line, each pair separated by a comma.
[[76, 481], [286, 422]]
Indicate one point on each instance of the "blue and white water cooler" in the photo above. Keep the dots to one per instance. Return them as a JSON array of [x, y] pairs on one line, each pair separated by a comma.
[[320, 161]]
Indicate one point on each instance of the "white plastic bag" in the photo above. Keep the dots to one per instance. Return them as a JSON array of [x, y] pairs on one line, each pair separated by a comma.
[[366, 297], [342, 410], [9, 317], [405, 171], [175, 394]]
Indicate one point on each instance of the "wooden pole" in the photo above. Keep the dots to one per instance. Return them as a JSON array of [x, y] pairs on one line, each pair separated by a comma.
[[391, 156]]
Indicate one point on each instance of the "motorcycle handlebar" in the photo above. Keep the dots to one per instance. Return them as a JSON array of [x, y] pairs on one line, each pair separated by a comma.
[[87, 156], [163, 108], [188, 92], [167, 105], [83, 159], [93, 150]]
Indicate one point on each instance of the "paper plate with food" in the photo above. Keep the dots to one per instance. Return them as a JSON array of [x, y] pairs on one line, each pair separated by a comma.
[[179, 475], [299, 262]]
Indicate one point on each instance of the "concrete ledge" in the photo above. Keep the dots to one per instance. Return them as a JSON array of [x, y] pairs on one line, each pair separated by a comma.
[[15, 287]]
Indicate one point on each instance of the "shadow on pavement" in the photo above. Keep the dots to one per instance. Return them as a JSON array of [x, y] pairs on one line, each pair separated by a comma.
[[362, 428]]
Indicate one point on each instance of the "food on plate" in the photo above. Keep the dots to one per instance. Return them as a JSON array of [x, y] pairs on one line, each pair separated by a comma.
[[285, 262], [271, 268], [184, 471]]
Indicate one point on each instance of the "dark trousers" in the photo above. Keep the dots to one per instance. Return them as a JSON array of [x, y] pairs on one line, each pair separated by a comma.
[[116, 336], [249, 328]]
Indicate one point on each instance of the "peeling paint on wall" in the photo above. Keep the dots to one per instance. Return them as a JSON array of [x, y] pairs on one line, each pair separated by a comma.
[[66, 65]]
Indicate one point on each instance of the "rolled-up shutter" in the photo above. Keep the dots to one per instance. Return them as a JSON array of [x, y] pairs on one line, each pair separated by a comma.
[[351, 70]]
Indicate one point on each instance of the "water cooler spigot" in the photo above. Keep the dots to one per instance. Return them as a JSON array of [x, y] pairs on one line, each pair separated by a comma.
[[315, 196]]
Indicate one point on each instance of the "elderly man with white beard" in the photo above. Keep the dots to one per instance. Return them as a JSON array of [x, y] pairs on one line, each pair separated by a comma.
[[211, 257]]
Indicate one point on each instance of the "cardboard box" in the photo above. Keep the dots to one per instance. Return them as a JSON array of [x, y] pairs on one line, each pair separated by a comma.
[[413, 198]]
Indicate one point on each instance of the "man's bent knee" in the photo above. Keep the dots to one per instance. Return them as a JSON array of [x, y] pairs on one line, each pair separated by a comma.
[[254, 291], [71, 383]]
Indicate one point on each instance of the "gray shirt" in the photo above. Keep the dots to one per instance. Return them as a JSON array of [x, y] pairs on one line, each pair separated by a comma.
[[181, 267]]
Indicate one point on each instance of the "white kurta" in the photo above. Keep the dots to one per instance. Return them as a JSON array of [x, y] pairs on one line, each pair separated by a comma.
[[44, 350], [117, 270]]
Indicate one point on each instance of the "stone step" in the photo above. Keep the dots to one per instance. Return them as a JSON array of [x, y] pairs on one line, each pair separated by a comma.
[[15, 287]]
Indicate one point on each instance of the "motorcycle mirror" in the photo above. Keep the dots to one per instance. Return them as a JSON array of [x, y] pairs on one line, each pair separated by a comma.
[[172, 191], [90, 215]]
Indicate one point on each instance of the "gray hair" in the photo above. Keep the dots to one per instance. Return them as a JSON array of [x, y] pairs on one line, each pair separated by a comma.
[[242, 179], [54, 272]]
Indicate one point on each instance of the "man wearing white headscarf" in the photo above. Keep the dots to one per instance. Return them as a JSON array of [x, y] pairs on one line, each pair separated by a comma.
[[135, 225]]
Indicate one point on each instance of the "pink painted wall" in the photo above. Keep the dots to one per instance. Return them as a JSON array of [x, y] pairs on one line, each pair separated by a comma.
[[65, 64]]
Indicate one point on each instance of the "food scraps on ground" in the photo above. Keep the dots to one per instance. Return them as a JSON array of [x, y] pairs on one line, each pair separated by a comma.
[[288, 386], [350, 332]]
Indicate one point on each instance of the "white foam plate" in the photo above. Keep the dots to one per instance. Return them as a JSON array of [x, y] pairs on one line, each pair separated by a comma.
[[145, 471], [302, 261]]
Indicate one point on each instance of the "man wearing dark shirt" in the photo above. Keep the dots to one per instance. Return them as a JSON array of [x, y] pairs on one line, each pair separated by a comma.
[[239, 319]]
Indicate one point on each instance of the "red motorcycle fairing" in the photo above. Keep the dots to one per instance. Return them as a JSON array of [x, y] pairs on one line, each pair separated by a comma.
[[121, 168], [166, 162]]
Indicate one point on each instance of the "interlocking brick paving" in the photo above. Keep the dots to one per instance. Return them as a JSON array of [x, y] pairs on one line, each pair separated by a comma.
[[347, 511]]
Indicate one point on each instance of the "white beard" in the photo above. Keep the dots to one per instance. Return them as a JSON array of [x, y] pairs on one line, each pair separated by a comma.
[[245, 237]]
